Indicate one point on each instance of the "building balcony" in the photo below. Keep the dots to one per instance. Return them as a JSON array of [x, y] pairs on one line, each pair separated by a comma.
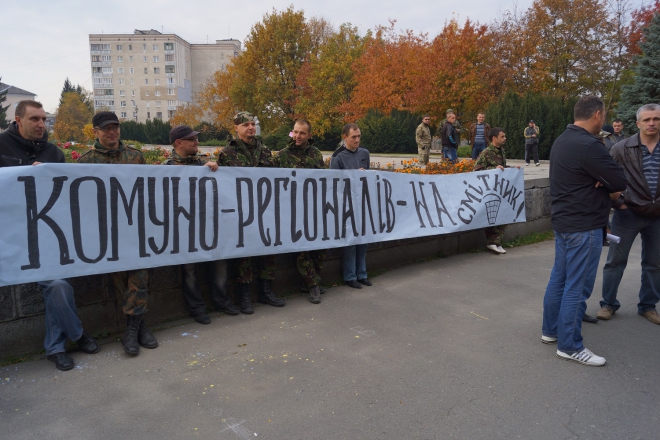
[[100, 52], [169, 52], [171, 107], [170, 75]]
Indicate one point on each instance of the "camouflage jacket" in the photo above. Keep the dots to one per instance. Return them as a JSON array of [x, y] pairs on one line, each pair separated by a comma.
[[294, 157], [423, 135], [123, 154], [490, 158], [175, 159], [239, 154]]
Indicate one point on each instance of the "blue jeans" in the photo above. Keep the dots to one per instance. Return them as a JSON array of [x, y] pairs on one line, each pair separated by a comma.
[[627, 225], [572, 279], [477, 148], [61, 317], [354, 262], [449, 153]]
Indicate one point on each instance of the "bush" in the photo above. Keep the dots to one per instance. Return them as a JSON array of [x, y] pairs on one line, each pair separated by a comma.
[[464, 151], [393, 133], [213, 143]]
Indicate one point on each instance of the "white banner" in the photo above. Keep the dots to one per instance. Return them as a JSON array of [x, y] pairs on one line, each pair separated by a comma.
[[67, 220]]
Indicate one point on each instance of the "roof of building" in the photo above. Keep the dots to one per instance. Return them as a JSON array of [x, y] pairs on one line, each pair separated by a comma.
[[11, 90]]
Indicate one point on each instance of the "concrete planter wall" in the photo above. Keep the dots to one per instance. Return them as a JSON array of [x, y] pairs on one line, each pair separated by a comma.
[[22, 307]]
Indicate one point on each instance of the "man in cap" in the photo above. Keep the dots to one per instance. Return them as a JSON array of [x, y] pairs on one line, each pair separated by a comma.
[[245, 150], [131, 286], [423, 139], [185, 142], [26, 143], [532, 143], [300, 153]]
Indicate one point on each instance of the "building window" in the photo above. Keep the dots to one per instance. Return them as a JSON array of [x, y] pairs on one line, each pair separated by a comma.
[[96, 58], [157, 103], [130, 58], [169, 57], [155, 47], [146, 70], [170, 80], [133, 104], [122, 103], [170, 91], [146, 93], [105, 47], [157, 81], [121, 81], [169, 69], [120, 70], [148, 115], [171, 102], [170, 113], [144, 59], [119, 47], [122, 93], [156, 70], [132, 92], [106, 58], [169, 46], [123, 114], [159, 115], [120, 59], [107, 81], [96, 70], [146, 80], [156, 59], [144, 47], [96, 47], [98, 80], [157, 93], [107, 70], [148, 104], [132, 82], [131, 70], [130, 47]]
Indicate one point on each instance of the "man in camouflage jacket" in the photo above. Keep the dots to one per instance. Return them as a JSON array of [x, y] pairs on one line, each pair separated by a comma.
[[300, 153], [423, 139], [131, 286], [491, 158], [185, 142], [245, 150]]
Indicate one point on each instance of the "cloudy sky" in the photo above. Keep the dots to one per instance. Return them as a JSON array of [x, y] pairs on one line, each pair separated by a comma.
[[46, 41]]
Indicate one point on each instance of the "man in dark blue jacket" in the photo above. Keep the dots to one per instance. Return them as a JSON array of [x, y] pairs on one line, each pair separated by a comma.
[[26, 143], [583, 179]]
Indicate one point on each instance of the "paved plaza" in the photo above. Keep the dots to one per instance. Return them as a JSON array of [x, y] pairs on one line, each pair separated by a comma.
[[444, 349]]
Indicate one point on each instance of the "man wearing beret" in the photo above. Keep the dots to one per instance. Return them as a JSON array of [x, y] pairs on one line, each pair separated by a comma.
[[131, 286], [245, 150], [185, 142]]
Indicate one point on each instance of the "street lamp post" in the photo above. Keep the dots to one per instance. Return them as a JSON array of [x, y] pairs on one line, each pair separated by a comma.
[[135, 113]]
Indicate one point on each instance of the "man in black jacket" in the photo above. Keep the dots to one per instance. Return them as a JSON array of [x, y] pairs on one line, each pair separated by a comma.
[[582, 174], [637, 212], [449, 138], [26, 143]]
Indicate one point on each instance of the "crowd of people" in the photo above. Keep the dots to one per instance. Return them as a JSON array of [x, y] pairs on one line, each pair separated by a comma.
[[588, 178]]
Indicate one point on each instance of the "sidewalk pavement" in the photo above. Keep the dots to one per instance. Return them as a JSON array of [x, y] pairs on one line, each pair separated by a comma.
[[448, 348]]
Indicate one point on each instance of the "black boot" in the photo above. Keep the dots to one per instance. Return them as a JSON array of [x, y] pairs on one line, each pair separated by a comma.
[[243, 290], [314, 294], [266, 295], [130, 338], [145, 338]]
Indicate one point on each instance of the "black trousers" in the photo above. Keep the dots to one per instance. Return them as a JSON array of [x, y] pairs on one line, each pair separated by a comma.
[[532, 150]]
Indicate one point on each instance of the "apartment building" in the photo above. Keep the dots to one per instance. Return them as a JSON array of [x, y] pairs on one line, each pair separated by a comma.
[[148, 74]]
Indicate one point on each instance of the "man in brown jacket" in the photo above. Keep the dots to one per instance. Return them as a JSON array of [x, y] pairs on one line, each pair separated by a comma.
[[478, 133]]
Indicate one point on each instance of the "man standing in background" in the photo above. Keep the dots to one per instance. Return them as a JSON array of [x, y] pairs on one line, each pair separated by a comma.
[[423, 138], [478, 133], [532, 143]]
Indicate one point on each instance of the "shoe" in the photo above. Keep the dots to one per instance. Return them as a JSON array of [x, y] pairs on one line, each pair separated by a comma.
[[229, 309], [538, 164], [314, 294], [605, 313], [365, 281], [548, 339], [63, 361], [202, 318], [584, 357], [304, 289], [652, 315], [145, 338], [245, 300], [526, 164], [354, 284], [266, 295], [590, 319], [87, 344], [130, 338], [500, 249], [494, 248]]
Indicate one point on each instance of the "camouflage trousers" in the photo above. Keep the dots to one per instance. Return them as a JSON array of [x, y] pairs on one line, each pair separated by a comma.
[[132, 290], [423, 153], [309, 265], [494, 234], [267, 265]]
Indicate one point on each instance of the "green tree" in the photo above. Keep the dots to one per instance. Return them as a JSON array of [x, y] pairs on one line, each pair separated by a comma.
[[393, 133], [645, 88], [4, 123], [85, 96], [72, 116]]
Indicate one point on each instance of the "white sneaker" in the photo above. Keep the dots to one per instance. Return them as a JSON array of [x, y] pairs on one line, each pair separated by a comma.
[[495, 248], [526, 164], [538, 164], [548, 339], [501, 250], [584, 357]]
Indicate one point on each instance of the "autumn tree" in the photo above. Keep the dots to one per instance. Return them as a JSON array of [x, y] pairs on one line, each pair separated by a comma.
[[187, 114], [646, 86], [640, 19], [85, 96], [71, 117]]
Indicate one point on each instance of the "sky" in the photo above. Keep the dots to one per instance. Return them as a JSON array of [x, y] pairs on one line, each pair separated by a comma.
[[46, 41]]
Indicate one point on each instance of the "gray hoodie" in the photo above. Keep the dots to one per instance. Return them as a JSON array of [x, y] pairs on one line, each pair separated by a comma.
[[345, 159]]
